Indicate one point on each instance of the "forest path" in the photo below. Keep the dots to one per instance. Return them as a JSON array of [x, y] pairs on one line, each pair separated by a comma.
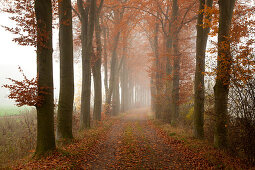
[[133, 143]]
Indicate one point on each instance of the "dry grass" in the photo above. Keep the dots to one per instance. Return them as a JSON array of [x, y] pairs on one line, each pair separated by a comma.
[[17, 136]]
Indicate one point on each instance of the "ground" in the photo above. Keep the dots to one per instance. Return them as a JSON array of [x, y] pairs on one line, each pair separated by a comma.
[[131, 141], [134, 143]]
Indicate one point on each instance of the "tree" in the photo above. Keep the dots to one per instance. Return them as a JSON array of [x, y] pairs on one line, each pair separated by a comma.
[[104, 29], [124, 76], [201, 42], [176, 63], [112, 80], [224, 61], [66, 96], [45, 111], [87, 16], [96, 69], [34, 27], [157, 67]]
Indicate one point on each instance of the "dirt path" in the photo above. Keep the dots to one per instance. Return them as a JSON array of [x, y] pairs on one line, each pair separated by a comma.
[[133, 143], [130, 142]]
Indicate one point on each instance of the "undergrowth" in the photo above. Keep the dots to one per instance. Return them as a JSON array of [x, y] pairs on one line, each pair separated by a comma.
[[222, 158]]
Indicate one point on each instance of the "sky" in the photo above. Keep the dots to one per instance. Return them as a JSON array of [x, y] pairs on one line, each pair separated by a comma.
[[14, 55]]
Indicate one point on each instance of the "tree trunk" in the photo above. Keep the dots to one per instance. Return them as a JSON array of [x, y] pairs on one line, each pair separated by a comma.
[[124, 81], [153, 92], [87, 38], [105, 63], [157, 80], [97, 90], [97, 70], [45, 111], [224, 62], [201, 42], [176, 80], [176, 65], [66, 96], [168, 115], [116, 96], [128, 91], [112, 75]]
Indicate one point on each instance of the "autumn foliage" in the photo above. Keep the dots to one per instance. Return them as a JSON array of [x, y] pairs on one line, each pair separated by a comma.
[[24, 92], [149, 55]]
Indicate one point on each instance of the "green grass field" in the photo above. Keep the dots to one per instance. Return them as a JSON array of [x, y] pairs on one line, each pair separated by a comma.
[[9, 110]]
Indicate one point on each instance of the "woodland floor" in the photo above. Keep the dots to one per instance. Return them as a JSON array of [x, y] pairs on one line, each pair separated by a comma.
[[131, 141]]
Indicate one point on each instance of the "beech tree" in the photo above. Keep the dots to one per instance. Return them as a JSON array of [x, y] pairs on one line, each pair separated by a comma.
[[66, 96], [224, 61], [87, 15], [45, 111], [112, 80], [96, 68], [34, 27], [201, 43], [176, 63]]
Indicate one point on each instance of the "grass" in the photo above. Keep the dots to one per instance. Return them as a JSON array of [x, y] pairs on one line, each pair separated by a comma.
[[10, 110], [66, 151], [17, 136]]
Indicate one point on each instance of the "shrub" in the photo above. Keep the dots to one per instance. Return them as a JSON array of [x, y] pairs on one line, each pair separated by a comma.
[[242, 122]]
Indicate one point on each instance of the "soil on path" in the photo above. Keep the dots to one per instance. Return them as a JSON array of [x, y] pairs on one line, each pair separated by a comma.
[[133, 143]]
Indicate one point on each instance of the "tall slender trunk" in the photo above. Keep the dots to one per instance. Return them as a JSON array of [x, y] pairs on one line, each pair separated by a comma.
[[45, 112], [153, 91], [157, 78], [176, 64], [128, 92], [105, 62], [123, 78], [201, 42], [112, 75], [87, 38], [66, 95], [176, 80], [224, 62], [116, 96], [97, 69], [168, 115]]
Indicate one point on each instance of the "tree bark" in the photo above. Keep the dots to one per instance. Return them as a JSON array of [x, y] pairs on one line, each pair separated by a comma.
[[105, 63], [157, 80], [168, 115], [118, 17], [87, 38], [201, 42], [116, 96], [176, 80], [45, 111], [66, 96], [112, 74], [123, 78], [176, 65], [224, 62], [97, 69]]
